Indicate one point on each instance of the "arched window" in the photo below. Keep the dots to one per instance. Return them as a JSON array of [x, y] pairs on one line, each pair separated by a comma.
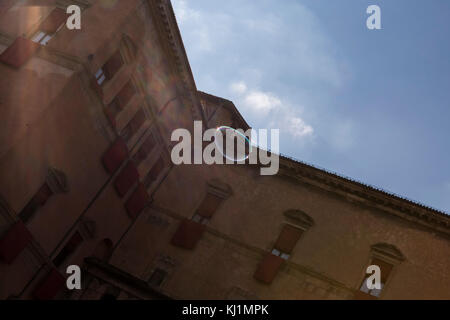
[[385, 257], [297, 223]]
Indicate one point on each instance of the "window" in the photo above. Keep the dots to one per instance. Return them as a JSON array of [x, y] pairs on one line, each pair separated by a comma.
[[38, 200], [134, 125], [100, 76], [272, 262], [144, 150], [137, 201], [188, 234], [68, 249], [199, 219], [50, 26], [41, 37], [110, 68], [126, 179], [154, 172], [121, 99], [207, 208], [13, 242], [385, 269], [157, 277], [286, 241], [385, 256], [125, 94], [115, 156], [19, 52]]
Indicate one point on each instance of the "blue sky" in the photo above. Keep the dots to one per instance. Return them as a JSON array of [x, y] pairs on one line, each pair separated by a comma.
[[373, 105]]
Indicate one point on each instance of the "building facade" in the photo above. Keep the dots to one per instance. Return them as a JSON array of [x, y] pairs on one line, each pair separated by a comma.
[[86, 179]]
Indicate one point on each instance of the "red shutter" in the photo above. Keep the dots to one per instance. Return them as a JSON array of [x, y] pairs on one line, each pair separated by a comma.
[[50, 286], [19, 52], [209, 205], [385, 268], [137, 201], [13, 242], [268, 268], [54, 20], [126, 179], [188, 234], [113, 65], [288, 238], [115, 155], [125, 94]]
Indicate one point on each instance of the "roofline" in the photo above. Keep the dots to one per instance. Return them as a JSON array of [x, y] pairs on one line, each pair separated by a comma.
[[367, 194], [228, 104]]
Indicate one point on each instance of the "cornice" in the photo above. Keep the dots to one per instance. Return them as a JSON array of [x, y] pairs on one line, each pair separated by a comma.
[[366, 195], [172, 44]]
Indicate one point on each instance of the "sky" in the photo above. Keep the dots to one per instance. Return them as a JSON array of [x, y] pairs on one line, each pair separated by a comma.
[[372, 105]]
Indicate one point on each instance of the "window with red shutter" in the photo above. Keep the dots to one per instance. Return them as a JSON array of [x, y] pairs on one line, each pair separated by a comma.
[[154, 172], [70, 247], [144, 150], [115, 155], [113, 109], [13, 242], [126, 179], [133, 126], [268, 268], [287, 239], [50, 286], [137, 201], [209, 205], [18, 53], [188, 234], [112, 66], [125, 94], [38, 200], [54, 21], [50, 26], [364, 292]]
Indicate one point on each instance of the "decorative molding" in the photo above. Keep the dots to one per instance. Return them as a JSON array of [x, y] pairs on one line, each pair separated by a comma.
[[365, 195], [387, 251], [172, 43], [219, 188], [300, 218], [64, 4]]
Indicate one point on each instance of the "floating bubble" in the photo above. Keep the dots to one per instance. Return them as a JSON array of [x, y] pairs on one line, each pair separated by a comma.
[[239, 146]]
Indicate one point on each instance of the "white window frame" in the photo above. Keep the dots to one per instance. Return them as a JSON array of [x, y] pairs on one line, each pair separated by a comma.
[[100, 76], [280, 254]]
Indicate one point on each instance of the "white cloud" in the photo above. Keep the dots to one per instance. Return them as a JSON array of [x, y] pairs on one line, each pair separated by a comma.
[[267, 105], [279, 58], [298, 128], [238, 87], [262, 102]]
